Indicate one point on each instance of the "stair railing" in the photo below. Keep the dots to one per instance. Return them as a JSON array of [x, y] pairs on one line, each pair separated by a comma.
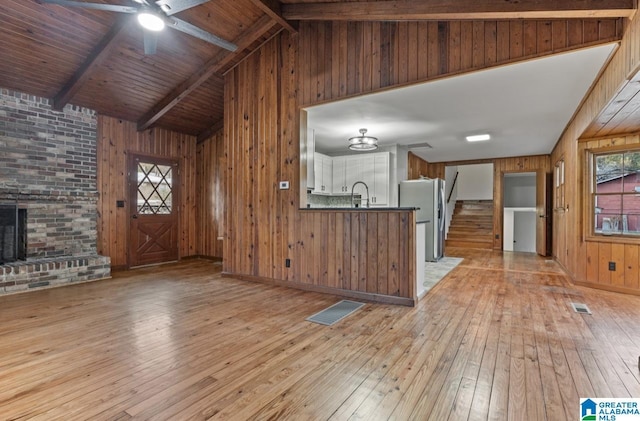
[[453, 185]]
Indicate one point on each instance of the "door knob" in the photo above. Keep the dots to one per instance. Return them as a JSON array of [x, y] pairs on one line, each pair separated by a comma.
[[135, 216]]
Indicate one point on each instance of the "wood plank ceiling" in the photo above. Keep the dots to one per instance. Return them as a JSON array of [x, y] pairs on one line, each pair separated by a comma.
[[95, 59]]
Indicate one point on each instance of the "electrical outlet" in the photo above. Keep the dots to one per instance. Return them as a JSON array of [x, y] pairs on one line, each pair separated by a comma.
[[612, 266], [287, 263], [284, 185]]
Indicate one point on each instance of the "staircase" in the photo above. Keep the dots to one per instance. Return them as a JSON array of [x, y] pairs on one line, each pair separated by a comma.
[[471, 225]]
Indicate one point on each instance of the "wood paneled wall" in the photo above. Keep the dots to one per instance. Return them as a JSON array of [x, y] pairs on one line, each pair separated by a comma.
[[600, 253], [358, 251], [339, 59], [582, 259], [116, 140], [416, 167], [210, 195], [500, 167], [326, 61]]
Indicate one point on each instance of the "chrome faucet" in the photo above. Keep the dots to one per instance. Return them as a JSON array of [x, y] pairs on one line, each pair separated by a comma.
[[365, 186]]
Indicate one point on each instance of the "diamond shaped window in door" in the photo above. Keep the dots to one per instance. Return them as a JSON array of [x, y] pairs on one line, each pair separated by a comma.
[[154, 189]]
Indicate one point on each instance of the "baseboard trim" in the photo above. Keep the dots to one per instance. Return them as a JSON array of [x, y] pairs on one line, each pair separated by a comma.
[[610, 288], [367, 296]]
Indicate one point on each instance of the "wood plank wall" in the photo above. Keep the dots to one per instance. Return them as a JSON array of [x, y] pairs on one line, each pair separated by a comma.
[[210, 195], [360, 251], [586, 261], [501, 166], [340, 59], [116, 140], [416, 167], [600, 253], [323, 62]]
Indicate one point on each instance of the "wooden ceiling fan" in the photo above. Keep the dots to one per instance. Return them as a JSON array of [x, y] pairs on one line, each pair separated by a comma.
[[154, 16]]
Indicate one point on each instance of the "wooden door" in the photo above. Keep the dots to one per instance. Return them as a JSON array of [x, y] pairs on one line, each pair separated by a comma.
[[153, 207], [543, 211]]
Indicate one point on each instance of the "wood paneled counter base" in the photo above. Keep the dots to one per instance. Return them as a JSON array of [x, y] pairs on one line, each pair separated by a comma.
[[496, 339]]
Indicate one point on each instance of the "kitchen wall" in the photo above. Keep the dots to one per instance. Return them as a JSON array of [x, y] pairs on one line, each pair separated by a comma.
[[343, 201], [332, 60]]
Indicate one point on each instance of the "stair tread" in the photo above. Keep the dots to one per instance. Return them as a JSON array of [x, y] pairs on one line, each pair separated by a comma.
[[471, 225]]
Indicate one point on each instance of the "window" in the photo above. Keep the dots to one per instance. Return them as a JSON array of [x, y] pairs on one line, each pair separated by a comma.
[[154, 189], [615, 193]]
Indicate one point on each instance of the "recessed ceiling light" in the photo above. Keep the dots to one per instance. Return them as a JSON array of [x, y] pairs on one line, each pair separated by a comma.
[[478, 138], [150, 21]]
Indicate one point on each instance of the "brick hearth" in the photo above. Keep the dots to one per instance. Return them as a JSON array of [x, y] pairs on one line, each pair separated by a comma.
[[48, 167]]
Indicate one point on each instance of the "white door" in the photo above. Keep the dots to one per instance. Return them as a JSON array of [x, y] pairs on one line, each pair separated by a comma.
[[524, 231]]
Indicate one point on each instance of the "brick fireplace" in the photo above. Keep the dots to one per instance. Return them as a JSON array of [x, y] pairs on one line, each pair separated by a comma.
[[48, 170]]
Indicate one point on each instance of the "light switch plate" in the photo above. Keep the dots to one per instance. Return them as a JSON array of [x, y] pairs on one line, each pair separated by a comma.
[[284, 185]]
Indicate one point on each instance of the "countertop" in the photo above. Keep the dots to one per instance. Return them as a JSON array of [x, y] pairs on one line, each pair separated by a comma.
[[365, 209]]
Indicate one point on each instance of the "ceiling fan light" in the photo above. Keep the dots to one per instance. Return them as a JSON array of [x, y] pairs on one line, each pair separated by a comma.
[[150, 21]]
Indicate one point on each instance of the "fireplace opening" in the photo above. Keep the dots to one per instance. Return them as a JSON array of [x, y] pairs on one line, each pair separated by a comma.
[[13, 241]]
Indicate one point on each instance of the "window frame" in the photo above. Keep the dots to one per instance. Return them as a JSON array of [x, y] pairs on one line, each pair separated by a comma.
[[590, 196]]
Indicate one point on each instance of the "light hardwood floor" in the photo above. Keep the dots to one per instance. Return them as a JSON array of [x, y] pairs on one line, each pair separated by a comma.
[[496, 339]]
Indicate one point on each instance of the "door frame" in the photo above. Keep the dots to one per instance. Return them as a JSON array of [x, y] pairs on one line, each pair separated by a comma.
[[162, 160], [540, 174]]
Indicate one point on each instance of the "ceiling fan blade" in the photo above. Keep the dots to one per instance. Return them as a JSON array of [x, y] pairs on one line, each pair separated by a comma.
[[95, 6], [150, 42], [193, 30], [171, 7]]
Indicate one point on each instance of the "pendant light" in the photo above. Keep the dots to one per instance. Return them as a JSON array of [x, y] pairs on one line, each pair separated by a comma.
[[363, 142]]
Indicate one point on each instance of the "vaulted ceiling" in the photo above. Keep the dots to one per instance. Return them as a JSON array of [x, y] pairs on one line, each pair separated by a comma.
[[95, 58]]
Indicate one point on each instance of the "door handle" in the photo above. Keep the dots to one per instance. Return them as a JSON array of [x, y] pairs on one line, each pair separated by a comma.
[[135, 216]]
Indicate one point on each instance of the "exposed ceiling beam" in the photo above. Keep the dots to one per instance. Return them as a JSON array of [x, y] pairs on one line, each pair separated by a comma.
[[96, 57], [206, 134], [273, 8], [458, 10], [210, 68]]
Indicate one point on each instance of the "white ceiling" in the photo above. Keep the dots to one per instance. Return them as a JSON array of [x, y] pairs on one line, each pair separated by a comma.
[[524, 106]]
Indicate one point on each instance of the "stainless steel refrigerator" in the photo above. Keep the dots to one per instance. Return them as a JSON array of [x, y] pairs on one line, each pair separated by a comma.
[[428, 196]]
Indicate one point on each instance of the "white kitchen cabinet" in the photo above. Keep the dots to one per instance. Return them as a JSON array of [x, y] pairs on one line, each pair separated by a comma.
[[323, 174], [340, 185], [380, 190], [375, 172], [346, 171]]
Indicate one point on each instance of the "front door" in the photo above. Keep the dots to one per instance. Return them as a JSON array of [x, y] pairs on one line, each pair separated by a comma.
[[153, 227]]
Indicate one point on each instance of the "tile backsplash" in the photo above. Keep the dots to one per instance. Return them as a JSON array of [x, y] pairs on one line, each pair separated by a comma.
[[320, 201]]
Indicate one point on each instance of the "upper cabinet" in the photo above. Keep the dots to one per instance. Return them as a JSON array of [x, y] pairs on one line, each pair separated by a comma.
[[340, 184], [323, 174], [337, 176], [374, 171]]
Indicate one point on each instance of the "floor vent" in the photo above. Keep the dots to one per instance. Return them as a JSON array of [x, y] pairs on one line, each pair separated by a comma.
[[580, 308], [335, 313]]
